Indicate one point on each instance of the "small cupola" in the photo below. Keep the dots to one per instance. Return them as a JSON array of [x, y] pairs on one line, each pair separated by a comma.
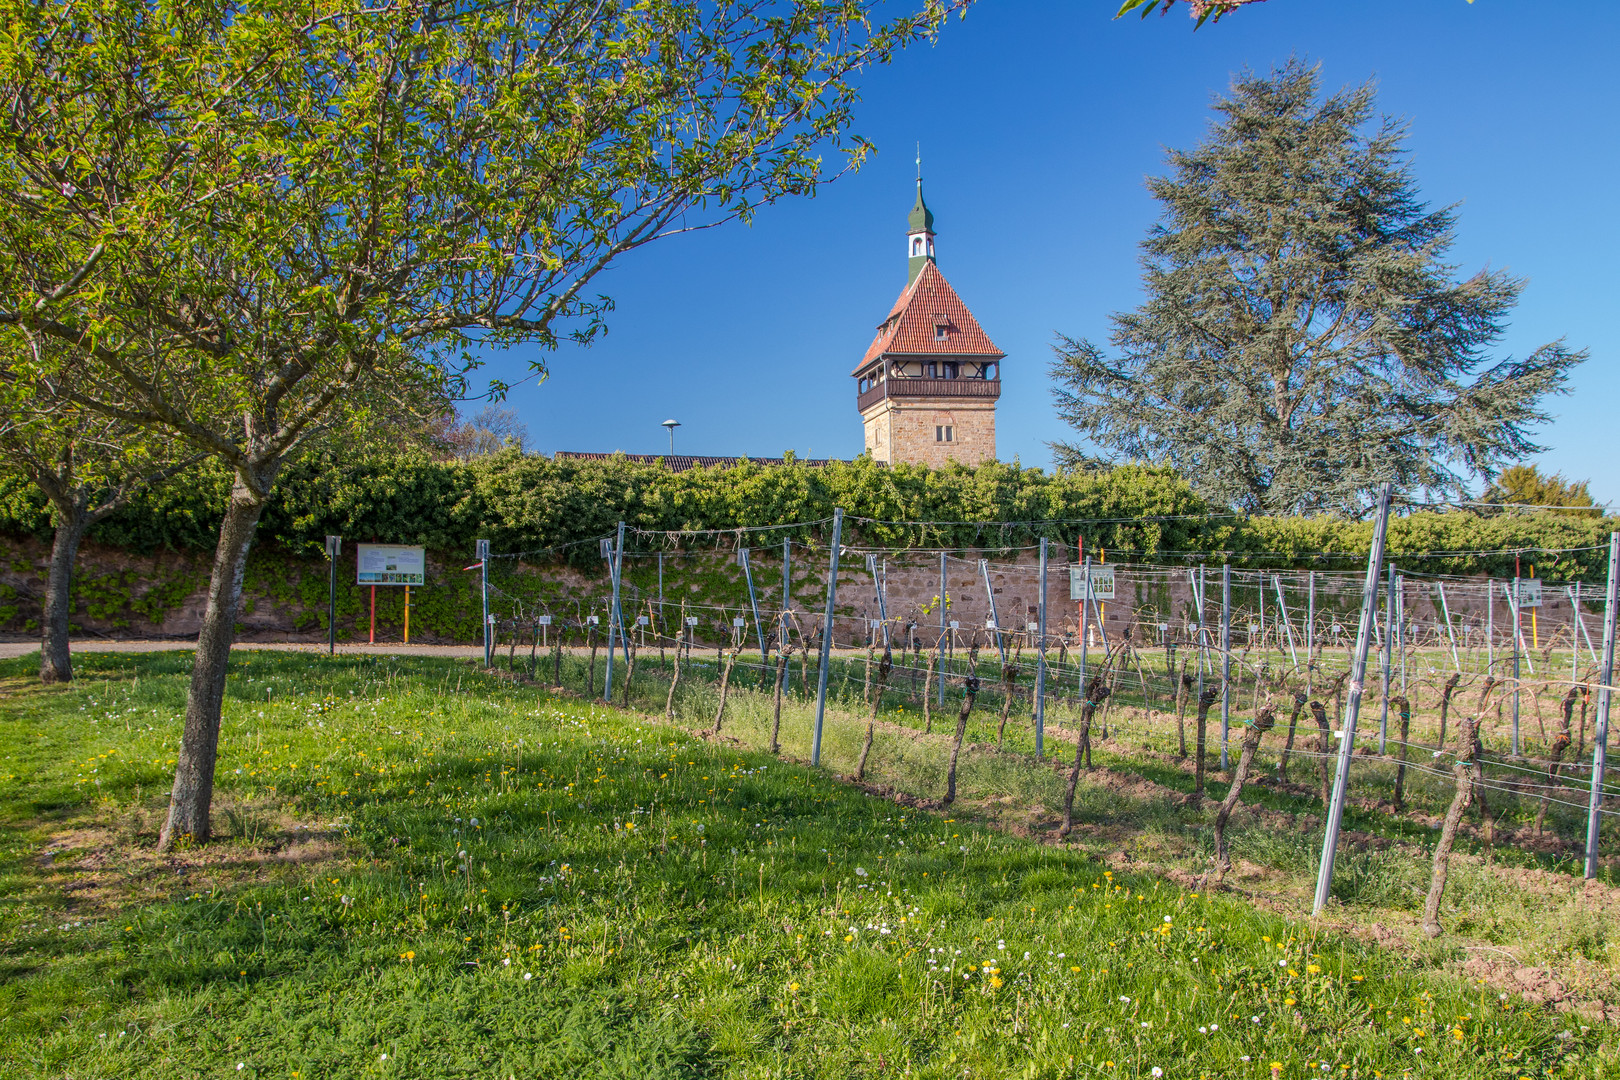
[[919, 236]]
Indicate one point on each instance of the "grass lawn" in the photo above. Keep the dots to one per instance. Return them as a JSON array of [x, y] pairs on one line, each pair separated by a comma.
[[427, 871]]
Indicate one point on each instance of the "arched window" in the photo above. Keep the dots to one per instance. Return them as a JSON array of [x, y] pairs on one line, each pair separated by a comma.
[[916, 245]]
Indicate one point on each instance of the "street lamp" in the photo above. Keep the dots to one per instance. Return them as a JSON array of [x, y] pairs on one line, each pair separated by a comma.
[[671, 425]]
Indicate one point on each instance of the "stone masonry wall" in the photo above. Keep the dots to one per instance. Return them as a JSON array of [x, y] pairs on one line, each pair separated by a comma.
[[123, 595], [905, 432]]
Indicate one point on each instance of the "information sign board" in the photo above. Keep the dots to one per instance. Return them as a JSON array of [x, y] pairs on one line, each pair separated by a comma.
[[390, 564], [1529, 591], [1102, 582]]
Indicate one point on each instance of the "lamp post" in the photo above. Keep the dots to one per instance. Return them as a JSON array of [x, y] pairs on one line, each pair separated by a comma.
[[671, 425]]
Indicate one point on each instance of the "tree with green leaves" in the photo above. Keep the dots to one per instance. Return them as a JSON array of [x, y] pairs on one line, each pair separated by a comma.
[[1304, 339], [1528, 487], [255, 222], [88, 467]]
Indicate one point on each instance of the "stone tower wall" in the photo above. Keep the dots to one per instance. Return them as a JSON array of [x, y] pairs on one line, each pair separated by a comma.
[[904, 431]]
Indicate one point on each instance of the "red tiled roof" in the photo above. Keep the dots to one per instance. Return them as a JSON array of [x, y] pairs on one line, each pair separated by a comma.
[[925, 303]]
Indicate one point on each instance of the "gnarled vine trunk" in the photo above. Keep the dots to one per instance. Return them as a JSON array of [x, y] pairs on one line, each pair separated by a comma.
[[969, 693], [1209, 697], [725, 685], [1288, 746], [1405, 712], [1445, 706], [1009, 676], [1184, 687], [776, 697], [1464, 769], [1251, 742], [1324, 751], [884, 669]]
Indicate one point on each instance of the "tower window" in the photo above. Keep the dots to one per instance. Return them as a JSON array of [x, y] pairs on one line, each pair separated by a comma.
[[943, 433], [916, 245]]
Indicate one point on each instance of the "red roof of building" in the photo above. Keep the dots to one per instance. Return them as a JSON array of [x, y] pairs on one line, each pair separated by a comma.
[[925, 304]]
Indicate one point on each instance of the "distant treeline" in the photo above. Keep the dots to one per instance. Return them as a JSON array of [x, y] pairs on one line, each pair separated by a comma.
[[528, 502]]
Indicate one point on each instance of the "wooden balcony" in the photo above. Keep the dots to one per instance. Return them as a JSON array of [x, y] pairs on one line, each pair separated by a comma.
[[900, 389]]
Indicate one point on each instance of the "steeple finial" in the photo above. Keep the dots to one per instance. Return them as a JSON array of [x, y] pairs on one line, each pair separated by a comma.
[[920, 229]]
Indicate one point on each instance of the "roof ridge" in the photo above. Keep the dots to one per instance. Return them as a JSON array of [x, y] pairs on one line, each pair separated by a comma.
[[903, 330]]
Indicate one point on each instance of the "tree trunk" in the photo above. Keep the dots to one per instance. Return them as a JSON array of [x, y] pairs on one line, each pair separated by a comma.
[[55, 655], [1251, 742], [193, 790], [1463, 770], [969, 693], [1293, 723]]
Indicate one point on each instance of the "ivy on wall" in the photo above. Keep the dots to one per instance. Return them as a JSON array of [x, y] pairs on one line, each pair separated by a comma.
[[526, 502]]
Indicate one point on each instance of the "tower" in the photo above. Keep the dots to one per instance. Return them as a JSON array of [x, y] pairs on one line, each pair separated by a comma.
[[928, 385]]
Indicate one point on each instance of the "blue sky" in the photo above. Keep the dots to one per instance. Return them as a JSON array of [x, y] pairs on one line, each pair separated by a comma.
[[1039, 122]]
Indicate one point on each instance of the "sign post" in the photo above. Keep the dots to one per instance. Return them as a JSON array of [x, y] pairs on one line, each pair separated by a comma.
[[1352, 707], [482, 550], [334, 548], [1600, 734], [1040, 660]]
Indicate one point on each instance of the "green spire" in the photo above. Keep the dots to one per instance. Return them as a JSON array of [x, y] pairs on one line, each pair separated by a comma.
[[919, 236], [922, 218]]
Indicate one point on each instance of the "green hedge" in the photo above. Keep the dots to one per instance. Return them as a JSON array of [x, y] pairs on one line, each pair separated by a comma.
[[526, 502]]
